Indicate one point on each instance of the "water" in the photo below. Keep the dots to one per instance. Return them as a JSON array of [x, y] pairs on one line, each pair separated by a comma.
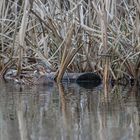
[[68, 113]]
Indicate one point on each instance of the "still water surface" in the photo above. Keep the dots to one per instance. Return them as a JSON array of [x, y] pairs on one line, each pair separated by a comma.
[[58, 112]]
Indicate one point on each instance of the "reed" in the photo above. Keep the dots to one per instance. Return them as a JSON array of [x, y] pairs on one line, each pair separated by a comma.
[[75, 36]]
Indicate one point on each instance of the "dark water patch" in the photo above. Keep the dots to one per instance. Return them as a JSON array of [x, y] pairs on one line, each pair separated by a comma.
[[88, 80], [88, 84]]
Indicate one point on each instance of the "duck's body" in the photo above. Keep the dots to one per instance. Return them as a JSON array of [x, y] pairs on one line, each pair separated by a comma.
[[81, 79]]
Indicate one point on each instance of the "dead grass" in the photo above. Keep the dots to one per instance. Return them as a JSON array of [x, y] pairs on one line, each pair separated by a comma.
[[104, 36]]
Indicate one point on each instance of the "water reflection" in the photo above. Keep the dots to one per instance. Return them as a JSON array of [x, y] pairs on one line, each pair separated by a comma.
[[68, 112]]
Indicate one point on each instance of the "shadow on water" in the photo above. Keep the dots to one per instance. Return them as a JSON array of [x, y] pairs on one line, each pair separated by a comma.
[[69, 112]]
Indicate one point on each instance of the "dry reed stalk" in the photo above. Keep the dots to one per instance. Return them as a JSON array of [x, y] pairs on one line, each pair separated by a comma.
[[105, 44], [22, 31], [137, 20], [137, 67], [65, 53], [40, 55], [102, 13], [50, 24]]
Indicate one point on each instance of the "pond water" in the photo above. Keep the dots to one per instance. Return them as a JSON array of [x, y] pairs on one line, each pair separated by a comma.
[[68, 112]]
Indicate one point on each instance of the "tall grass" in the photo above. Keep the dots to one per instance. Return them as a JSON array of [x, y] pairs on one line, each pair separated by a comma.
[[75, 36]]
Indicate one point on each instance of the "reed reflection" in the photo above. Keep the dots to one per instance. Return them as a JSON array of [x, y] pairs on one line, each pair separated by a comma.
[[69, 112]]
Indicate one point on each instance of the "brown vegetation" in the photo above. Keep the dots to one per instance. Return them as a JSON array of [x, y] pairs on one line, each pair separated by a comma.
[[77, 36]]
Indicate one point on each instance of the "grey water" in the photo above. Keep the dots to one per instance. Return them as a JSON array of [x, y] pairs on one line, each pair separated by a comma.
[[68, 112]]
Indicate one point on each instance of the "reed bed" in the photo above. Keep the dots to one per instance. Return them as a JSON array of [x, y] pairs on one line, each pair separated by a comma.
[[71, 36]]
